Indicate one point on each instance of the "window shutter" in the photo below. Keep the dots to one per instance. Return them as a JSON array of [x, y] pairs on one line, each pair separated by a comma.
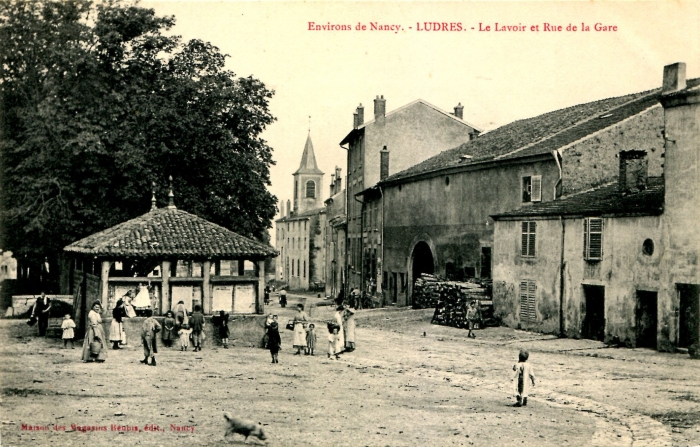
[[531, 310], [531, 242], [536, 188], [523, 301], [593, 239], [523, 249], [528, 310]]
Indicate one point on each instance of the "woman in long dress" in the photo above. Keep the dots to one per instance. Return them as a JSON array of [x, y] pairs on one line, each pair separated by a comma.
[[340, 339], [300, 320], [350, 329], [94, 332]]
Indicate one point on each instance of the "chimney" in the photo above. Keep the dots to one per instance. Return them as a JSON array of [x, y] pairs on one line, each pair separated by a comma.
[[358, 118], [281, 208], [338, 180], [633, 171], [674, 78], [379, 108], [289, 208], [332, 185], [459, 111], [384, 164]]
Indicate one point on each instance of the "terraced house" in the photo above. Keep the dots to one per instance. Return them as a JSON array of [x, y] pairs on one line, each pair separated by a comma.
[[619, 262], [437, 214]]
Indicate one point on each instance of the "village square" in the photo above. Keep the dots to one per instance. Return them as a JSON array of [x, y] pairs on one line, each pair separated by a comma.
[[192, 256]]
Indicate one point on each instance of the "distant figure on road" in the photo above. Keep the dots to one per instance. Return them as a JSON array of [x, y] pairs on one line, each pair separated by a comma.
[[283, 298], [350, 329], [523, 372], [300, 320], [222, 324], [472, 316], [181, 314], [340, 337], [41, 309], [94, 344], [274, 341], [184, 334], [310, 340], [169, 329], [267, 295], [149, 329], [117, 335], [67, 327], [333, 341], [197, 322]]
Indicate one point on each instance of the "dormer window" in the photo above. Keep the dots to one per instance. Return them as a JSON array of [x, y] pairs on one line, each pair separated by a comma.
[[532, 188]]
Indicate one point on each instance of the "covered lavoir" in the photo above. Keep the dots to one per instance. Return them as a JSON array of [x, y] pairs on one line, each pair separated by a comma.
[[170, 255]]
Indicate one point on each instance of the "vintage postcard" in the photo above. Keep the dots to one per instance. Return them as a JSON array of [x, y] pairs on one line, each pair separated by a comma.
[[350, 223]]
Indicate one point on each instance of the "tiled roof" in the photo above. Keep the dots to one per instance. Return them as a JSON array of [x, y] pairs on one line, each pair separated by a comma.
[[602, 201], [304, 215], [541, 134], [354, 132], [170, 232]]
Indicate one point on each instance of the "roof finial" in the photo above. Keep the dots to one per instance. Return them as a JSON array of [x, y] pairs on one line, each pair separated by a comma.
[[153, 198], [171, 196], [309, 123]]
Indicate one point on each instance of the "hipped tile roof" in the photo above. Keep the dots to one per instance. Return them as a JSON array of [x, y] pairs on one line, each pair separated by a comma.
[[170, 232], [539, 135], [604, 201]]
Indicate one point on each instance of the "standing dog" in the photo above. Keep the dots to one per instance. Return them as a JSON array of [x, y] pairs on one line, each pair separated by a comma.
[[243, 427]]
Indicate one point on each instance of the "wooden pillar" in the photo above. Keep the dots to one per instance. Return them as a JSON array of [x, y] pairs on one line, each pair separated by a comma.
[[104, 284], [206, 287], [165, 304], [261, 288]]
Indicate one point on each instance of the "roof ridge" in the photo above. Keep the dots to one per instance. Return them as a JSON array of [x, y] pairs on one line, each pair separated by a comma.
[[423, 101], [583, 121]]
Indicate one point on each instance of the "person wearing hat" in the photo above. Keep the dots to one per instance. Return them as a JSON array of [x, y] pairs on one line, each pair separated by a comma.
[[94, 344]]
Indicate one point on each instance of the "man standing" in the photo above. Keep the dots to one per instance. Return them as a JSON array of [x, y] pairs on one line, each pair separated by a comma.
[[41, 309]]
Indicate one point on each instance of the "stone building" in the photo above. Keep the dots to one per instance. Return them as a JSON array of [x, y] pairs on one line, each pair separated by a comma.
[[620, 262], [300, 232], [336, 231], [436, 214], [391, 142], [174, 256]]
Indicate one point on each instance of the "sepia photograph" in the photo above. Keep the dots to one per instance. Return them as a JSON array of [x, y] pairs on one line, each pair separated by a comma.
[[349, 223]]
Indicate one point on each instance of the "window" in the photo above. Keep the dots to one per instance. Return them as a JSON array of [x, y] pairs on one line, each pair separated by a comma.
[[528, 239], [528, 309], [532, 188], [296, 190], [297, 267], [593, 239], [304, 269], [292, 267], [311, 189]]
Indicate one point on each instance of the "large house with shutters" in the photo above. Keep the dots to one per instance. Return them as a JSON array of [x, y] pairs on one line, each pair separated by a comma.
[[619, 262], [435, 217]]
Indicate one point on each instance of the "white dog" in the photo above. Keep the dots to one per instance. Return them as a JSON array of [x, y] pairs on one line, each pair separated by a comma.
[[243, 427]]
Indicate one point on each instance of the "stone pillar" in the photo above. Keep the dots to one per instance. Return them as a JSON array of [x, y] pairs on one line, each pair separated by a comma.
[[259, 305], [104, 284], [206, 287], [165, 304]]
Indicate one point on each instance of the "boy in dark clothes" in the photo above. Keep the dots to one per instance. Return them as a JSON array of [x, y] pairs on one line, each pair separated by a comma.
[[197, 325]]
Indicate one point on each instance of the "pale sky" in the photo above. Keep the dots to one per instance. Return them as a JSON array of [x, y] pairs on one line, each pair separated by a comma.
[[498, 76]]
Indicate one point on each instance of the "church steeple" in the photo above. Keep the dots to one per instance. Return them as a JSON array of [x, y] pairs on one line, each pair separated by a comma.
[[308, 180], [308, 159]]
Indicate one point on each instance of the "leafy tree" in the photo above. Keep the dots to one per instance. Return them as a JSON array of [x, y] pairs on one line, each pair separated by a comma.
[[97, 103]]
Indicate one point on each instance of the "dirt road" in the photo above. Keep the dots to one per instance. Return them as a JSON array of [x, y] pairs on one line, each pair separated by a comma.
[[399, 388]]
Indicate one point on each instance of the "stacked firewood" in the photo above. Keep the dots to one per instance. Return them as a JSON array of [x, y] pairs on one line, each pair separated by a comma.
[[451, 299]]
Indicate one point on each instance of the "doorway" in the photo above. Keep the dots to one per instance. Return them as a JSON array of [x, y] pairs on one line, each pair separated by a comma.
[[422, 261], [689, 318], [485, 262], [593, 326], [646, 319]]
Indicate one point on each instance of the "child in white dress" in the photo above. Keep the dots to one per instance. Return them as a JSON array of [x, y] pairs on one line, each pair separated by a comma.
[[68, 334], [184, 334], [523, 372]]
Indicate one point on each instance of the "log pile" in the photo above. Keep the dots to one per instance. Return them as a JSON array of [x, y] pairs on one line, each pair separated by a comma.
[[451, 299]]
